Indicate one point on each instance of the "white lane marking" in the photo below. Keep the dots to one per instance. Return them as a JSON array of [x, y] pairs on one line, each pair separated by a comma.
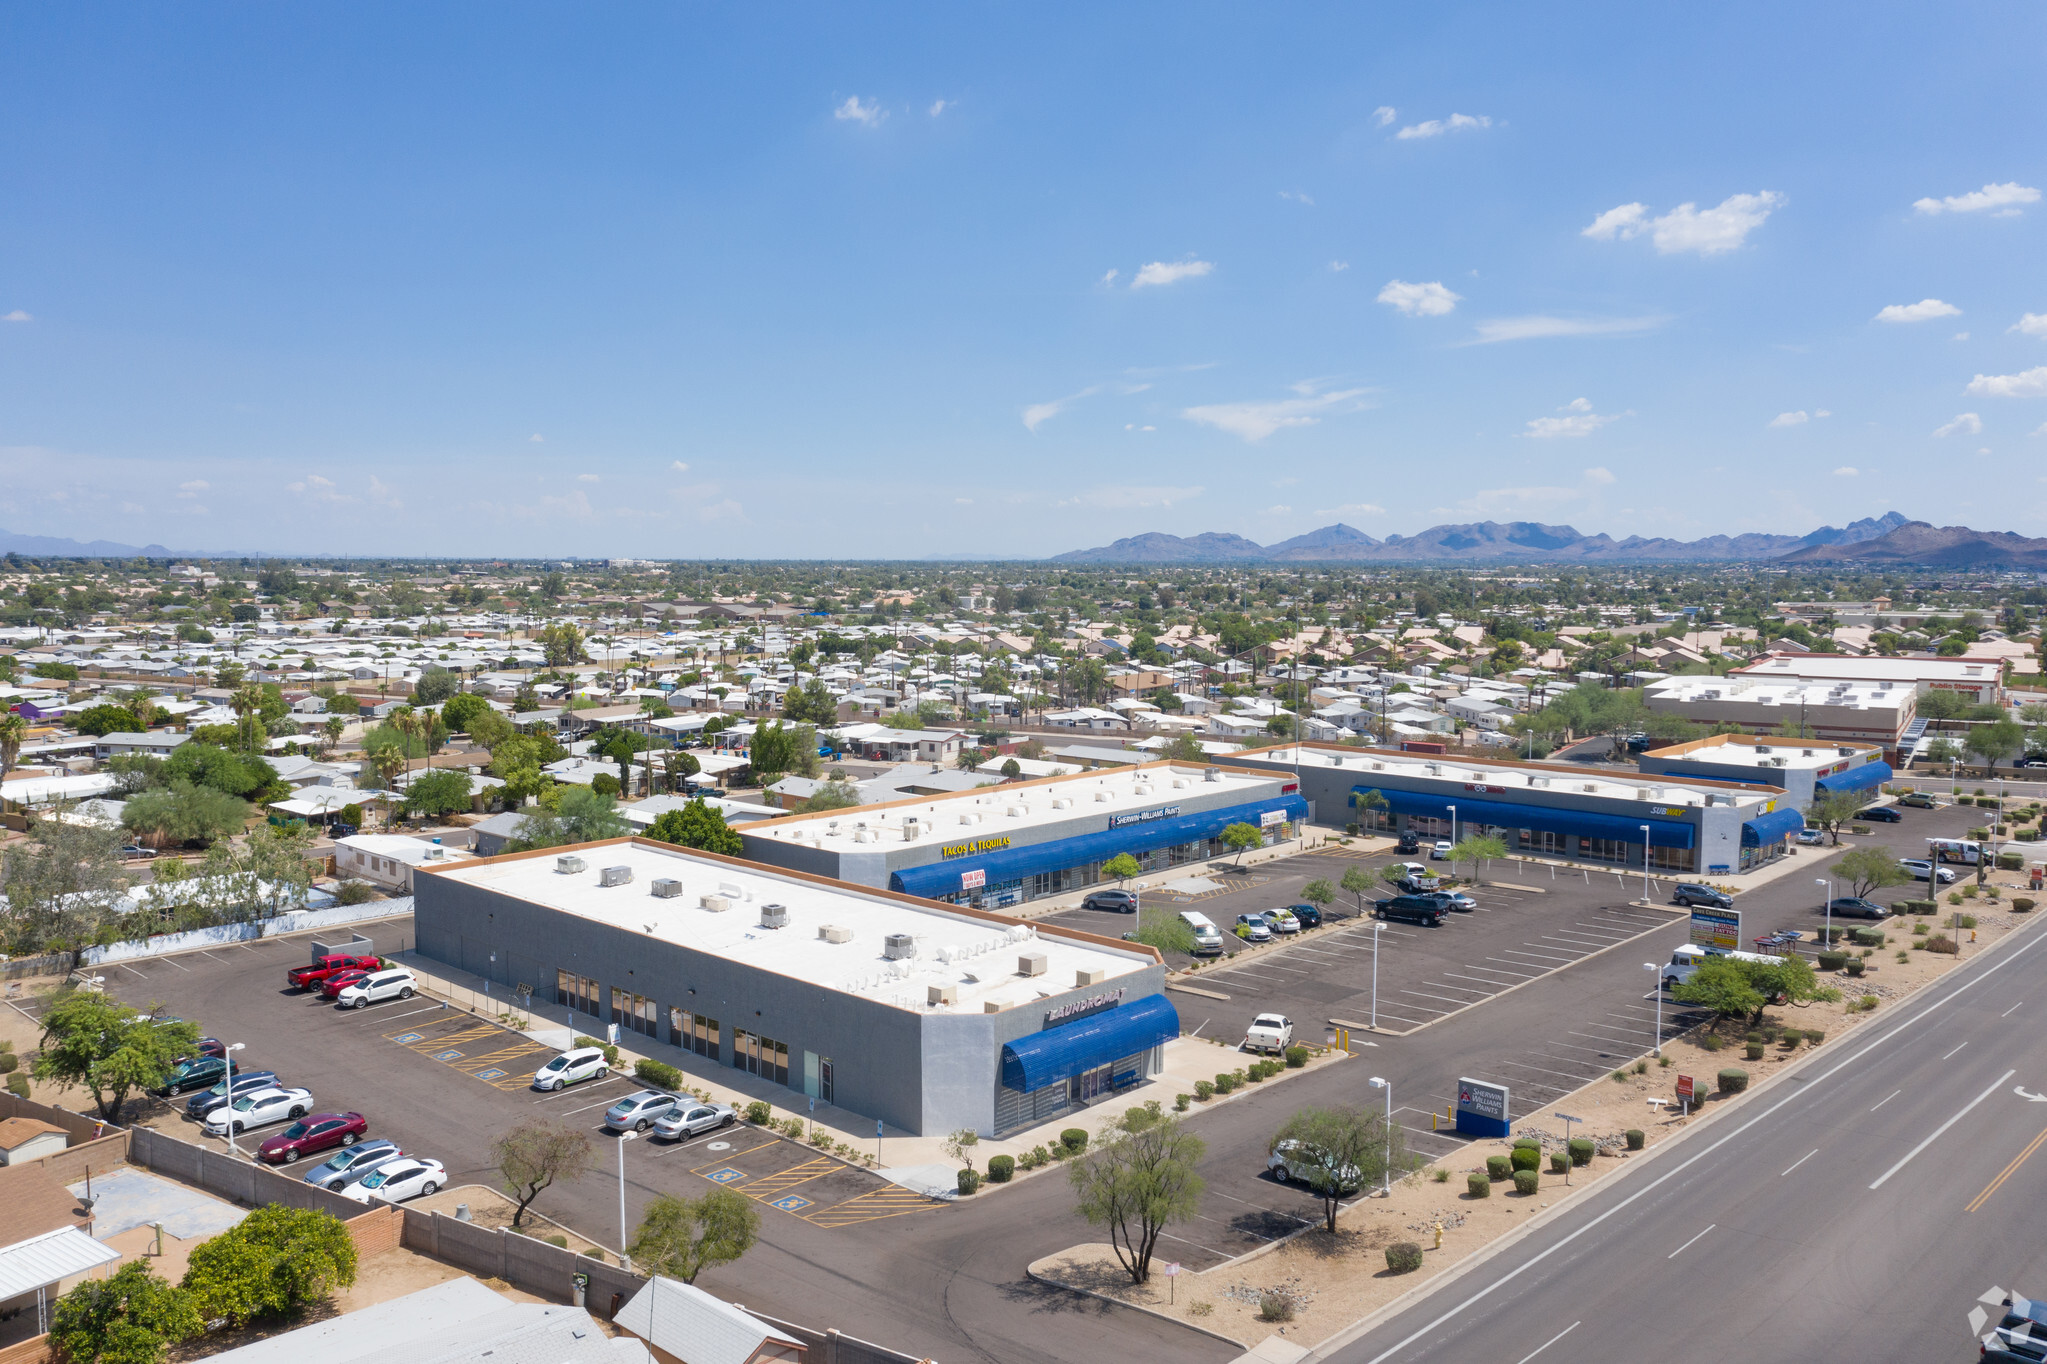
[[172, 961], [1953, 1052], [1551, 1341], [2008, 1012], [386, 1018], [204, 953], [1800, 1161], [1887, 1098], [1942, 1128], [601, 1103], [131, 970], [1687, 1245], [1525, 975]]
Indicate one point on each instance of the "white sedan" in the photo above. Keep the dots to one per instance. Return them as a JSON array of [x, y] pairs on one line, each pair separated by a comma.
[[260, 1109], [401, 1179]]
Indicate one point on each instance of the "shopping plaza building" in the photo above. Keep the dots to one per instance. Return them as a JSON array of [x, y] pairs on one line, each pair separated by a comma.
[[926, 1016]]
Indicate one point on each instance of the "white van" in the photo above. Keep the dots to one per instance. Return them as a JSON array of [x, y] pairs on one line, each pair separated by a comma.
[[1208, 939], [1967, 851]]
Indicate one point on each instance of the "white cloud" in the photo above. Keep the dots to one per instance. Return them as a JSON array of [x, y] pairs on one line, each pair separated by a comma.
[[586, 478], [1352, 509], [1967, 424], [1436, 127], [319, 482], [1297, 198], [679, 467], [1280, 509], [1847, 471], [1339, 266], [1686, 227], [939, 106], [1577, 405], [18, 315], [1618, 223], [1822, 412], [1539, 327], [1254, 421], [854, 110], [381, 492], [2032, 324], [1037, 414], [197, 485], [2041, 430], [1583, 421], [1419, 300], [2004, 198], [537, 439], [1384, 115], [1790, 419], [1599, 475], [725, 510], [1171, 272], [963, 501], [322, 488], [1925, 310], [1129, 497], [1960, 336], [1110, 278], [2031, 383]]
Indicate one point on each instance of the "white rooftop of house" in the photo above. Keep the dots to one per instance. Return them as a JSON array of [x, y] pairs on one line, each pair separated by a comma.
[[1844, 667], [834, 935], [1745, 750], [1739, 690], [1504, 776]]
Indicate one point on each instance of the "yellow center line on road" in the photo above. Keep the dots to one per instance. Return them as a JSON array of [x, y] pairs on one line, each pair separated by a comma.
[[1994, 1185]]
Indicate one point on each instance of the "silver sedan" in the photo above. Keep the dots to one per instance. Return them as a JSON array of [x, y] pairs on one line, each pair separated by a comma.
[[687, 1120]]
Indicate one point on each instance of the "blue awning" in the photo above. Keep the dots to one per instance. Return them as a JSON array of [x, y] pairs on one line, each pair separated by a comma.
[[943, 878], [1774, 827], [1856, 778], [1056, 1054], [1663, 833]]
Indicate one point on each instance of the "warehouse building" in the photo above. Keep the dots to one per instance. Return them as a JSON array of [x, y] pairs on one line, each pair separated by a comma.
[[1801, 768], [1694, 827], [1004, 844], [1975, 680], [928, 1017], [1834, 712]]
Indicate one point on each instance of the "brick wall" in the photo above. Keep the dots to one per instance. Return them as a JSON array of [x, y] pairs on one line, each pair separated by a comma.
[[373, 1232], [35, 1350], [80, 1127]]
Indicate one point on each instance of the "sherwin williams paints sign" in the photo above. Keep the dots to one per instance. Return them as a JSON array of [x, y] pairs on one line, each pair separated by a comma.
[[1716, 928], [1481, 1108]]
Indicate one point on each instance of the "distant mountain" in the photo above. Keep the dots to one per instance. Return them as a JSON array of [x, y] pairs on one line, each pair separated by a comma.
[[1529, 541], [77, 549], [1919, 542]]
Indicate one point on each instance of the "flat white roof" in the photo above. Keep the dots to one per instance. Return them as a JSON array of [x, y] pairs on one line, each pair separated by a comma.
[[718, 911], [997, 810], [1740, 690], [1742, 750], [1565, 778], [1873, 669]]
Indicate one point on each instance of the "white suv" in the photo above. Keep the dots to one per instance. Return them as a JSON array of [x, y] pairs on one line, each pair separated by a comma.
[[393, 983]]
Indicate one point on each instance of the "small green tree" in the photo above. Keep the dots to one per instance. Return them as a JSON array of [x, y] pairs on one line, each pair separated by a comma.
[[836, 794], [1136, 1184], [697, 825], [184, 813], [1832, 810], [1318, 893], [129, 1318], [1720, 985], [1357, 881], [1122, 866], [1477, 848], [1165, 930], [581, 815], [1369, 803], [1942, 751], [434, 686], [275, 1262], [682, 1237], [536, 1155], [1242, 837], [961, 1145], [1995, 742], [95, 1041], [1184, 748], [1863, 870], [438, 793], [463, 710], [1338, 1151]]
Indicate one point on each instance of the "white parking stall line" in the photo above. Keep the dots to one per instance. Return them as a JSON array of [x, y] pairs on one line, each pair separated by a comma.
[[1425, 1008], [1601, 1032], [1541, 951], [577, 1090], [131, 970], [390, 1018], [1544, 1070], [172, 961], [1577, 940], [1466, 990], [1524, 974], [1493, 986], [601, 1103], [1590, 1051], [204, 953], [1492, 972]]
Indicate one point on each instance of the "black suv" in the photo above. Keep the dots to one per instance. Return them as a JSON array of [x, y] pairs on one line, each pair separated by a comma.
[[1119, 901], [1425, 910], [1409, 845], [1690, 896]]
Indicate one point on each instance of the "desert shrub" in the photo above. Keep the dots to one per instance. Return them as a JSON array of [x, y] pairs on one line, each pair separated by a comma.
[[1755, 1051], [1965, 800], [1620, 1077], [659, 1074], [17, 1084], [2022, 904], [9, 1063], [1867, 937], [557, 1240], [1498, 1167], [1558, 1162], [1526, 1181], [1403, 1257], [2010, 861], [1712, 1041], [1204, 1090], [1866, 1004], [610, 1052], [1441, 1176], [1225, 1082], [1477, 1185], [1180, 1102], [759, 1113], [1856, 966], [1074, 1139], [1296, 1057], [1528, 1144], [1524, 1158], [1581, 1150], [1941, 942], [1790, 1038], [1965, 921], [1815, 1036], [1954, 897], [968, 1182], [1732, 1081], [1832, 961], [790, 1127], [1001, 1169], [1275, 1307], [1636, 1139]]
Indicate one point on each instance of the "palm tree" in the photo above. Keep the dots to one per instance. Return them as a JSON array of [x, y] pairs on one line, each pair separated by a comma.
[[247, 702], [389, 762], [13, 731]]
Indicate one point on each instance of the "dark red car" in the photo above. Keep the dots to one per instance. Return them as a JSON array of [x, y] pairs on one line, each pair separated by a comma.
[[305, 977], [312, 1134], [339, 981]]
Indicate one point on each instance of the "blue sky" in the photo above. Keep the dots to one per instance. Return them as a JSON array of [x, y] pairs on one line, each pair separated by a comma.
[[825, 281]]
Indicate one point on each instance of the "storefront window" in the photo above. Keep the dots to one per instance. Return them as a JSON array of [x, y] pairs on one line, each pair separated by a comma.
[[762, 1056], [693, 1032], [577, 992], [635, 1012]]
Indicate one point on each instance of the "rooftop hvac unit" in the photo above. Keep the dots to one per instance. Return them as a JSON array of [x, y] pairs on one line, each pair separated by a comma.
[[942, 994], [1180, 783], [666, 887], [1211, 774], [614, 876], [1089, 975], [717, 904], [730, 890], [834, 933], [899, 946], [1142, 788], [1063, 803], [911, 829], [568, 866], [1103, 796], [774, 916], [1031, 964], [1015, 812], [863, 835]]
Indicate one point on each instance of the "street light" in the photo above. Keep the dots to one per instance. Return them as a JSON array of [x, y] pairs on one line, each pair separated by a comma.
[[1378, 927], [1645, 864], [1387, 1174], [1656, 1050], [623, 1138], [1828, 883], [232, 1048], [1453, 829]]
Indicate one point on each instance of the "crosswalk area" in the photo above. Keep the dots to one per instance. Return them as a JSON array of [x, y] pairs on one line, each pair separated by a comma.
[[483, 1050], [790, 1178]]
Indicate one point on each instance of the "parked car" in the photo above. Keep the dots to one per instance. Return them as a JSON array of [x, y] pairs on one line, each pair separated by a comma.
[[1297, 1163], [132, 852], [1457, 899], [306, 977], [245, 1081], [687, 1120], [196, 1072], [396, 983], [353, 1162], [260, 1108], [342, 829], [312, 1135], [332, 987], [1253, 928], [1811, 837], [1425, 910], [1922, 870], [571, 1067], [1691, 896], [1309, 915], [1269, 1032], [1408, 845], [1881, 814], [397, 1180], [1282, 921], [638, 1112], [1918, 800], [1116, 901], [1440, 851], [212, 1046], [1856, 907]]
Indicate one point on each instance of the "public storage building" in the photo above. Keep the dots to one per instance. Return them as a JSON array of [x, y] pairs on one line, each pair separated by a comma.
[[929, 1017], [1694, 827], [1005, 844], [1803, 769]]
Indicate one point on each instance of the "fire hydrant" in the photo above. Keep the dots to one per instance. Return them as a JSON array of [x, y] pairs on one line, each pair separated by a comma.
[[1439, 1236]]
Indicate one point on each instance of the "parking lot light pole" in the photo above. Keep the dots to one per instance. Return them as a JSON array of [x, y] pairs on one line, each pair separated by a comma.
[[1645, 864], [1823, 881], [1378, 928], [1386, 1189], [1453, 829], [232, 1048], [1652, 968], [623, 1138]]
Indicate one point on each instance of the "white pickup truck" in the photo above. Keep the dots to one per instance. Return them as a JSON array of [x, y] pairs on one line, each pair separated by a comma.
[[1685, 961], [1269, 1032]]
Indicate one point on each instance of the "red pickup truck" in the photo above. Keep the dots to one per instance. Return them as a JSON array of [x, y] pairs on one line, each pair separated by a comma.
[[306, 977]]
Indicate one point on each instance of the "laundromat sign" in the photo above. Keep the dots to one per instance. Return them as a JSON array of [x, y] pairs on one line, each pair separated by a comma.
[[1083, 1006], [978, 846]]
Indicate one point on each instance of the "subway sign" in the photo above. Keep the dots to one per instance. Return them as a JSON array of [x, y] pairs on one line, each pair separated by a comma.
[[1143, 816], [978, 846]]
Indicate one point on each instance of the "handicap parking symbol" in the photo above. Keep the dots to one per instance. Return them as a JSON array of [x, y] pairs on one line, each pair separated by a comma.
[[406, 1039], [792, 1203], [724, 1176], [449, 1055], [492, 1074]]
